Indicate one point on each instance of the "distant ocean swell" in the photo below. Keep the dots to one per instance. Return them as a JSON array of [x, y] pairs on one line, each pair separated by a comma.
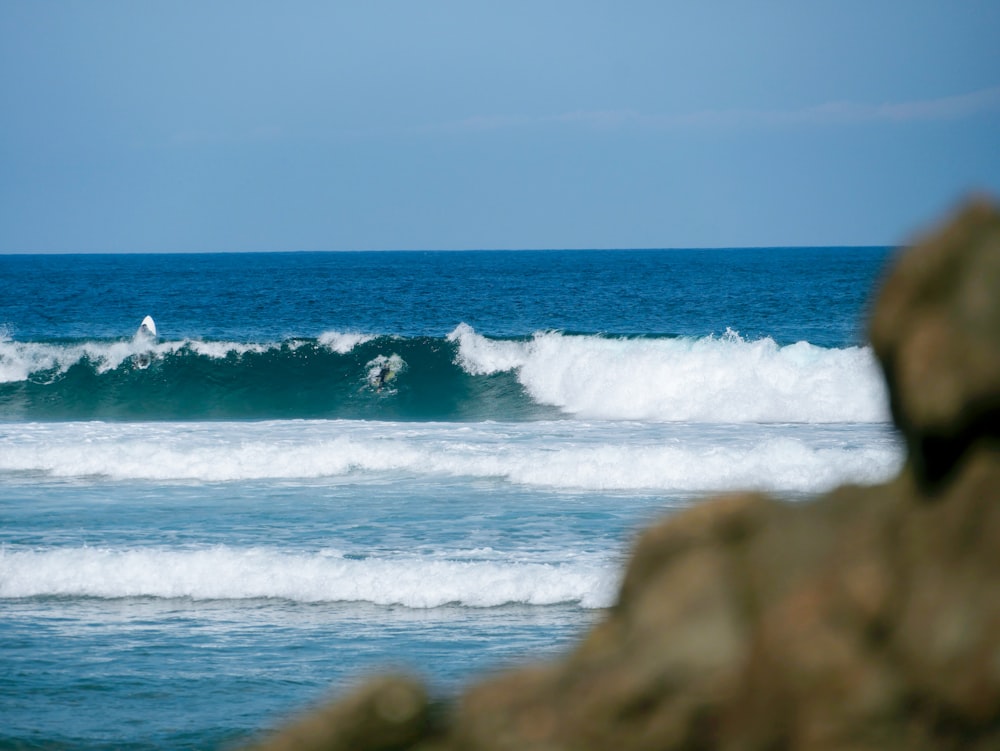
[[229, 573], [463, 376]]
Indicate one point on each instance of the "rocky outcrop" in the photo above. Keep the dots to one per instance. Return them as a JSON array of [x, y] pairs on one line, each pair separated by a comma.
[[936, 330], [385, 713], [868, 619]]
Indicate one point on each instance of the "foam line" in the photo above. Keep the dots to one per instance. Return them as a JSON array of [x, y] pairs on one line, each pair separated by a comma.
[[576, 457], [225, 573]]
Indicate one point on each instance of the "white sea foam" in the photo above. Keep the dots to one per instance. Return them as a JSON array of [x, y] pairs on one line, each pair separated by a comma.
[[342, 342], [481, 356], [217, 350], [570, 455], [224, 573], [711, 379], [20, 361]]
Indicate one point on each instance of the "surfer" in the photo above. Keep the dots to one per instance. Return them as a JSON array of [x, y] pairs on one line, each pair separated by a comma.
[[382, 370], [384, 374]]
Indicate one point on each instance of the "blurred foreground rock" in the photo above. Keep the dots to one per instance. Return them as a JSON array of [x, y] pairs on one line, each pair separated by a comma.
[[869, 619]]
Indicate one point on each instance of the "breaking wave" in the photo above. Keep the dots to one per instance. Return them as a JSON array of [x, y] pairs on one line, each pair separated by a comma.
[[558, 455], [463, 376], [228, 573]]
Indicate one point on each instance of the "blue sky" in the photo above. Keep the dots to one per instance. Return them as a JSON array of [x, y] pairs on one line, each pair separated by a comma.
[[205, 126]]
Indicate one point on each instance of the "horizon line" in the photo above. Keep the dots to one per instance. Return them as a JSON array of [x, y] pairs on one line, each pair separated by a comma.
[[618, 249]]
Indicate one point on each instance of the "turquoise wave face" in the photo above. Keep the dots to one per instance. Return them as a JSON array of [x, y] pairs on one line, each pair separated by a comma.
[[464, 376], [381, 378]]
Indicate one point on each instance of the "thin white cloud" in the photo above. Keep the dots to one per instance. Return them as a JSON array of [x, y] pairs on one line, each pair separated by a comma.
[[828, 114], [922, 110], [946, 108], [195, 137], [490, 122], [601, 119], [831, 113]]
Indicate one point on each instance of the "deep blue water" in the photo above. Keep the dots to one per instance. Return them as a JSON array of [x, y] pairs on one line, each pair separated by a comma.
[[275, 296], [204, 531], [242, 336]]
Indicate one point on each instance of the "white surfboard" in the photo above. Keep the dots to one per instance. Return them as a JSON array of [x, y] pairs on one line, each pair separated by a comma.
[[144, 338], [147, 328]]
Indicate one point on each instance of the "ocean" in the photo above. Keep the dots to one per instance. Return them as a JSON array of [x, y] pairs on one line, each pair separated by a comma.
[[328, 465]]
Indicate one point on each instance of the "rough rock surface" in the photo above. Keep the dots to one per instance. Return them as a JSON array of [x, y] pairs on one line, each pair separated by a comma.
[[869, 619]]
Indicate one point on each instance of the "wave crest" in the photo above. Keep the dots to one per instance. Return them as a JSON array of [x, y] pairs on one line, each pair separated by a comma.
[[227, 573], [709, 379], [463, 376]]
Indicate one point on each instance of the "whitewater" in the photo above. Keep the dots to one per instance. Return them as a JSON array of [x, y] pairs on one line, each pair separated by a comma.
[[204, 531], [723, 378]]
